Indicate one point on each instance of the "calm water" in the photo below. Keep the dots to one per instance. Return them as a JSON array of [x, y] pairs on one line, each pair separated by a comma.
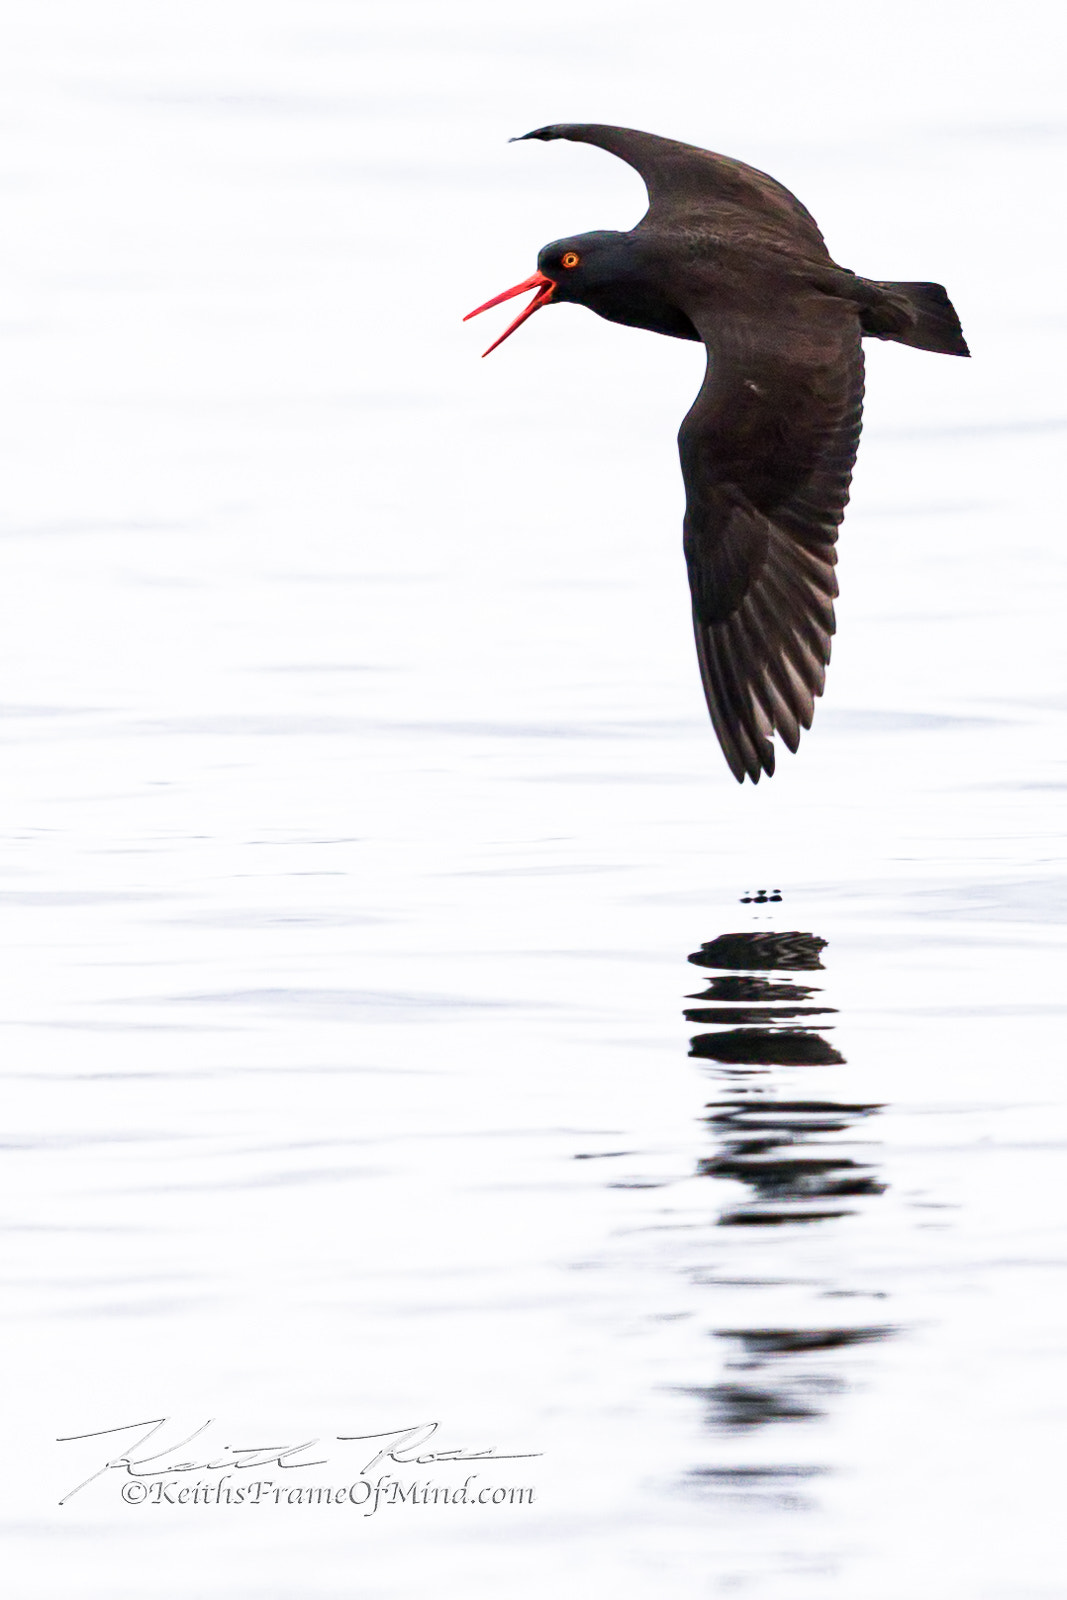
[[407, 1019]]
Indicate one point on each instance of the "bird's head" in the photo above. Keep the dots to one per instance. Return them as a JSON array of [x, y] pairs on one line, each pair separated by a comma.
[[567, 269]]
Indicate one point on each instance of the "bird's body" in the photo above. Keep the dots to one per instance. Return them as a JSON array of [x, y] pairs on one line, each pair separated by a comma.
[[728, 256]]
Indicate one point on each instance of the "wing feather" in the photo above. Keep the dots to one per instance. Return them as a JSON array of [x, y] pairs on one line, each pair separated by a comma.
[[767, 454]]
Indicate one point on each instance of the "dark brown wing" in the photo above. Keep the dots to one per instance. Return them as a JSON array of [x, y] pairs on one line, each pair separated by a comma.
[[767, 454], [688, 185]]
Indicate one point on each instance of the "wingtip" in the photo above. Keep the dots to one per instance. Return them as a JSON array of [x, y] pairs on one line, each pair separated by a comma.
[[549, 132]]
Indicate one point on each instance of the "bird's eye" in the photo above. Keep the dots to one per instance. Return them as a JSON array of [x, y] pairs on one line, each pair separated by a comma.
[[571, 259]]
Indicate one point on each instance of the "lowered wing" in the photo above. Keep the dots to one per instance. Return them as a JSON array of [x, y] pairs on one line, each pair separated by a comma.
[[767, 453]]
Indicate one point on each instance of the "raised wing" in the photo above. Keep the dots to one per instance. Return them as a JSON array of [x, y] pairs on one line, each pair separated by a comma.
[[686, 183], [767, 455]]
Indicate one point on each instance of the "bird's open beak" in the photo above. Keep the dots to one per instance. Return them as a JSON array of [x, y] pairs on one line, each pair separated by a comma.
[[545, 290]]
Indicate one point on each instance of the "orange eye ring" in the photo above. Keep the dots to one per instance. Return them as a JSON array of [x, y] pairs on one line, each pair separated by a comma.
[[571, 259]]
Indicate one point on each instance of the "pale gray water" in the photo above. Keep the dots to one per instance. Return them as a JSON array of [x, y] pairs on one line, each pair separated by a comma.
[[361, 813]]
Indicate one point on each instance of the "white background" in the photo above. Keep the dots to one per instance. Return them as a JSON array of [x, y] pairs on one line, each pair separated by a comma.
[[360, 807]]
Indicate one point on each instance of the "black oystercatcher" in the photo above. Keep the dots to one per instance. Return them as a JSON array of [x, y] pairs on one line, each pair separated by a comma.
[[726, 255]]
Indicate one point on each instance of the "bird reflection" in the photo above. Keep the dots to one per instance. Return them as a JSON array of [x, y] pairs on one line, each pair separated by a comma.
[[775, 1146], [797, 1166], [777, 1149], [758, 952], [741, 1407], [750, 989], [767, 1047]]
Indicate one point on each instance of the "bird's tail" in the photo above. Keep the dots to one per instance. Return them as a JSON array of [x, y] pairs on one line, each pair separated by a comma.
[[919, 314]]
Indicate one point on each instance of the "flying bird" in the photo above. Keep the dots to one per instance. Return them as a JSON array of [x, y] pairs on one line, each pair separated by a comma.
[[727, 256]]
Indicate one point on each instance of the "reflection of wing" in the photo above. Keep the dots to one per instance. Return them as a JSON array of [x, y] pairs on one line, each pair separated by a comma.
[[767, 453], [685, 183]]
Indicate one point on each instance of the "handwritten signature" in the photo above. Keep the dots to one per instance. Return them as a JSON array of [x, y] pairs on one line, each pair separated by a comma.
[[404, 1446]]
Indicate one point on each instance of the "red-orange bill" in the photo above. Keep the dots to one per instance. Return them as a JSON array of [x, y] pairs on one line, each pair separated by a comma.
[[545, 290]]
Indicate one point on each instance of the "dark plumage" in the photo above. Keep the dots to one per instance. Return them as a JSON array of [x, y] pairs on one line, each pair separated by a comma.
[[728, 256]]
